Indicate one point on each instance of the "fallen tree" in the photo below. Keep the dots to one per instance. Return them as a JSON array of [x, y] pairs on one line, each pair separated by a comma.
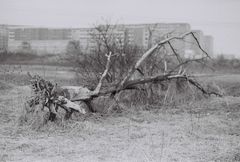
[[53, 97]]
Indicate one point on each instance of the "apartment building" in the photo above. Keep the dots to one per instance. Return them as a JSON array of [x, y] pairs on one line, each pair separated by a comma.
[[208, 44], [3, 38], [55, 40], [40, 40], [192, 48]]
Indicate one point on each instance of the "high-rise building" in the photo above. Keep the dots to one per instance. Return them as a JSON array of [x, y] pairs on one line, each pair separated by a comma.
[[55, 40], [83, 35], [3, 38], [208, 44], [40, 40], [192, 47]]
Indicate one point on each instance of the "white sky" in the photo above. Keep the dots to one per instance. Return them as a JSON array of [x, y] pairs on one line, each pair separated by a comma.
[[219, 18]]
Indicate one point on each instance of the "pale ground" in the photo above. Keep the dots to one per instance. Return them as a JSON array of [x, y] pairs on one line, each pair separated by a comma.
[[207, 130]]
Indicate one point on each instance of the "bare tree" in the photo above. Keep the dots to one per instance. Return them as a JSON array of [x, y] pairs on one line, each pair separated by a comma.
[[108, 49], [106, 39]]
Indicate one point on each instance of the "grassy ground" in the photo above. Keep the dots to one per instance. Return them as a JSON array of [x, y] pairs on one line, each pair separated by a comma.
[[207, 130], [17, 74], [229, 83], [197, 132]]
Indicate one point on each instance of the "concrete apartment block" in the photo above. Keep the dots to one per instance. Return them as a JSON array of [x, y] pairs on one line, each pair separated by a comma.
[[55, 40], [208, 45], [41, 40], [3, 38]]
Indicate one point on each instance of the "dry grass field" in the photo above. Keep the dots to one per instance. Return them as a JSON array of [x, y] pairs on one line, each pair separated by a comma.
[[201, 131]]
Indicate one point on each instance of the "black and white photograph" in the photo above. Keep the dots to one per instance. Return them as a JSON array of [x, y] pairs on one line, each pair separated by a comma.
[[119, 80]]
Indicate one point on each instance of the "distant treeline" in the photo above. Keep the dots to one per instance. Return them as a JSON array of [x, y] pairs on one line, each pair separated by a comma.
[[221, 63], [26, 58]]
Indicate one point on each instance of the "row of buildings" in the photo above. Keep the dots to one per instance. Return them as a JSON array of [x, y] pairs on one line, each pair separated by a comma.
[[3, 38], [55, 40]]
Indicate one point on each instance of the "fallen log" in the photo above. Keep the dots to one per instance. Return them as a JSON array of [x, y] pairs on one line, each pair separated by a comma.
[[67, 104], [52, 96]]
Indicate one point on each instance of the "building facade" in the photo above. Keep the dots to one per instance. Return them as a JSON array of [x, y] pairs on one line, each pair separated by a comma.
[[3, 38], [208, 46], [40, 40], [192, 48], [55, 40]]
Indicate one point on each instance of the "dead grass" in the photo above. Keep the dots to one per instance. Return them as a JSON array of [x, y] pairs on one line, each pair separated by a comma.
[[228, 83], [207, 130], [5, 86], [17, 74], [199, 131]]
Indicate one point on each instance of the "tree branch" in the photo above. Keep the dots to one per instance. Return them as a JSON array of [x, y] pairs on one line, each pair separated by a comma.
[[97, 89], [151, 51]]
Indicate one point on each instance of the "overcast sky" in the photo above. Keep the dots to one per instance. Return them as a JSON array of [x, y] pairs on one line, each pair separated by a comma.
[[219, 18]]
